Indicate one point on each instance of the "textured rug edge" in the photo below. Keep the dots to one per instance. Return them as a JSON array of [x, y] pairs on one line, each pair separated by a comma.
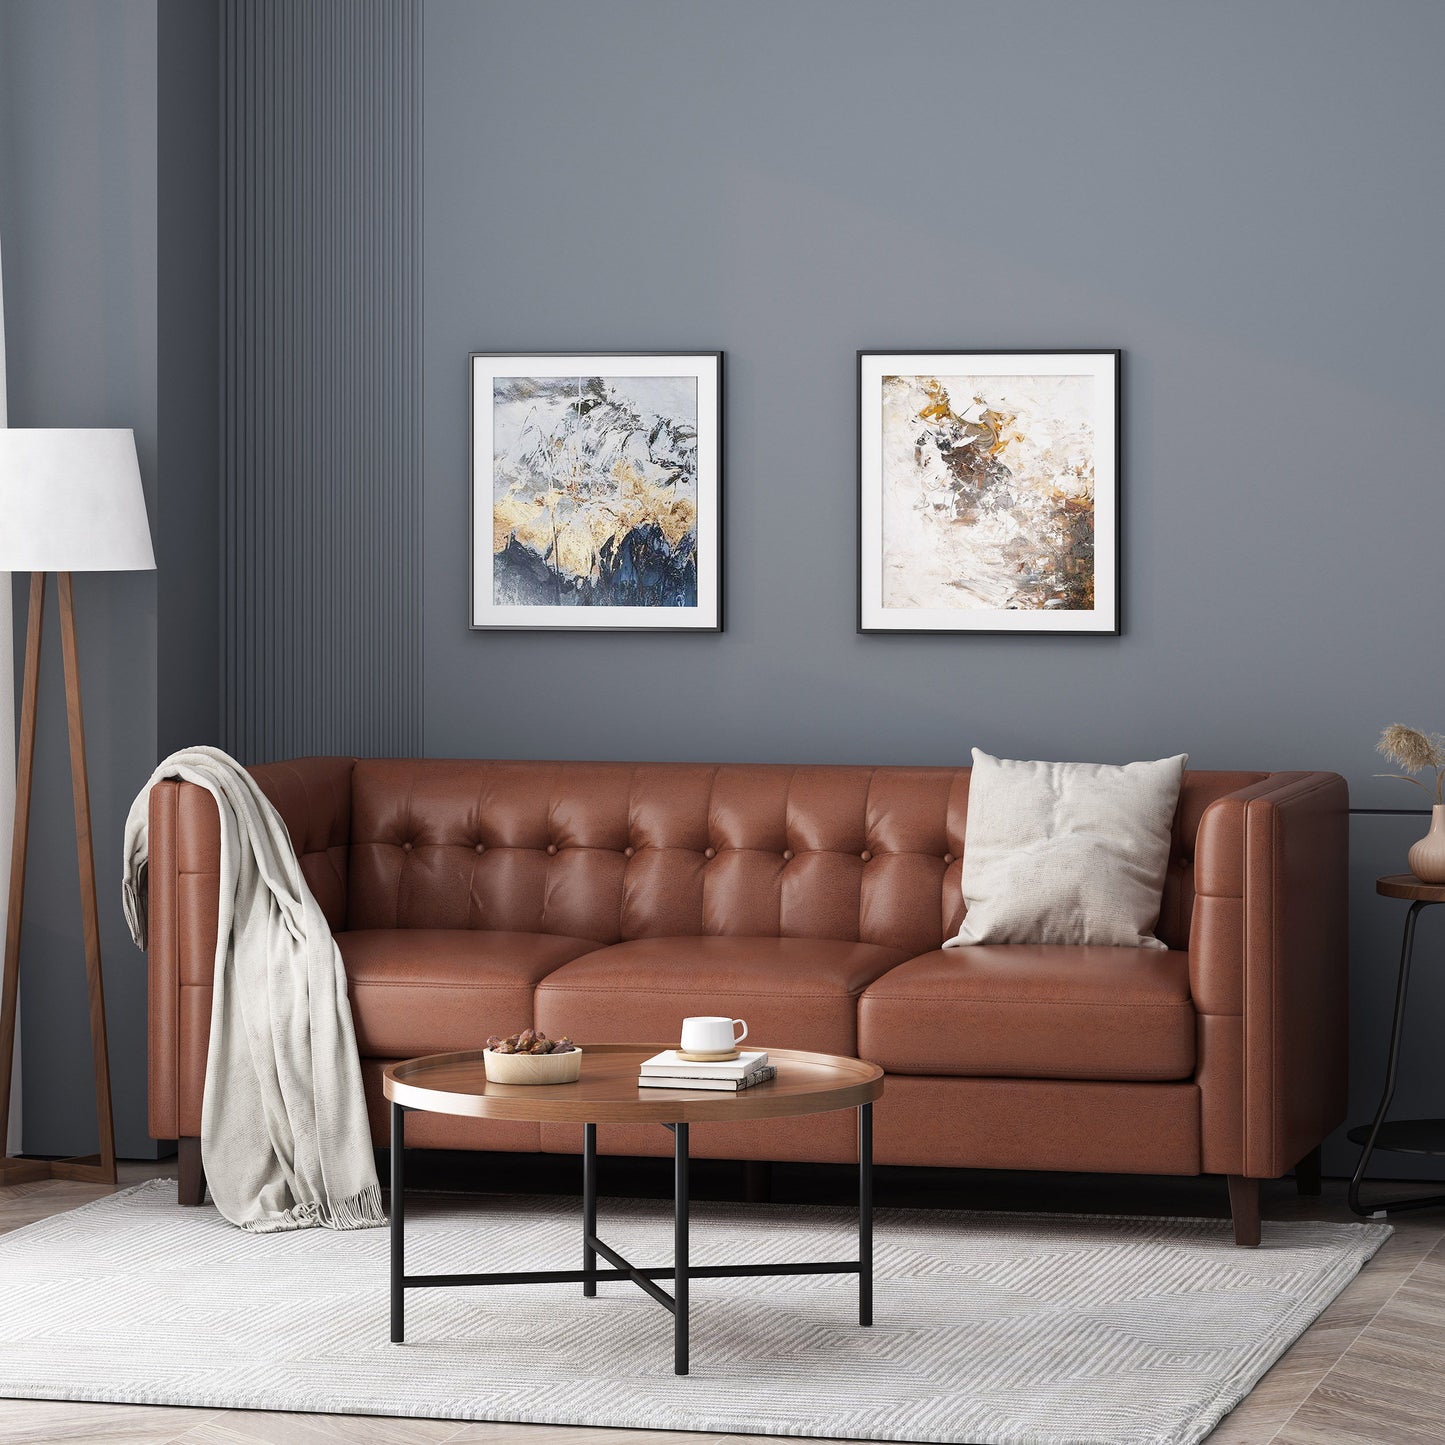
[[1236, 1388], [1369, 1239]]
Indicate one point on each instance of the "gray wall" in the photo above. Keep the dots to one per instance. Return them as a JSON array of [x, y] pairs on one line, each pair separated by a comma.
[[187, 529], [78, 215], [321, 377], [1240, 196]]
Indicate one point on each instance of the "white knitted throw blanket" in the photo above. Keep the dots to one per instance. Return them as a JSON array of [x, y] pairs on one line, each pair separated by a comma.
[[284, 1134]]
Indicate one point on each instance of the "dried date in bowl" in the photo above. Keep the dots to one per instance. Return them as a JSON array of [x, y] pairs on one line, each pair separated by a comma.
[[530, 1041]]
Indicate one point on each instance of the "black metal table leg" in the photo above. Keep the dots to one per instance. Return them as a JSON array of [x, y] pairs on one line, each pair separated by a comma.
[[615, 1266], [398, 1224], [589, 1209], [1392, 1066], [679, 1250], [865, 1214]]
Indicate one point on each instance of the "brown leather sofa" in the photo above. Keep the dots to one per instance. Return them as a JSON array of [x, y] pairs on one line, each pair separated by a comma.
[[606, 901]]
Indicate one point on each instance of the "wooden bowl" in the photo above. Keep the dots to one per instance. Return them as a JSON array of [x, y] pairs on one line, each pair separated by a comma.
[[533, 1068]]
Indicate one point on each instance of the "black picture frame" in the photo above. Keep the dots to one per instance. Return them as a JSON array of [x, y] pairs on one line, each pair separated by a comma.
[[1106, 367]]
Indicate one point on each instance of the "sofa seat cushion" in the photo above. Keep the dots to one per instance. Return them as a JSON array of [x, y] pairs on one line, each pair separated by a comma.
[[430, 990], [795, 993], [1033, 1011]]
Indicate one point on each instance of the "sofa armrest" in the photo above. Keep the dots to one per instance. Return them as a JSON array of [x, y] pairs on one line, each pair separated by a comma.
[[1269, 970], [313, 796]]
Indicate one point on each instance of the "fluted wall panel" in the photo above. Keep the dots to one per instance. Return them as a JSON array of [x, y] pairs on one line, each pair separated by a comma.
[[321, 317]]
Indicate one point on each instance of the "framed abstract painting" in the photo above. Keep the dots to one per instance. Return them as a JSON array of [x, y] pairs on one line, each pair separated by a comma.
[[597, 491], [988, 491]]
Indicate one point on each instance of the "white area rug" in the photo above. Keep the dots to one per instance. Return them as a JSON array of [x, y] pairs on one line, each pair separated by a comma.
[[1044, 1329]]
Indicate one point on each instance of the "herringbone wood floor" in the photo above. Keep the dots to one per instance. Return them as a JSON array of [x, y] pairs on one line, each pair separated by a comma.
[[1370, 1371]]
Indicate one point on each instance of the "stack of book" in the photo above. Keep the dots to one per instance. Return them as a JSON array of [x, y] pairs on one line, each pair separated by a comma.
[[668, 1070]]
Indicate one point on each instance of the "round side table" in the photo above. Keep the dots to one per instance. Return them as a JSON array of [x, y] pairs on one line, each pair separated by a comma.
[[1403, 1136]]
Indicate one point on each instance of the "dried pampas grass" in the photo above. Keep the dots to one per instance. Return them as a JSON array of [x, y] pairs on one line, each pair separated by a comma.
[[1415, 752]]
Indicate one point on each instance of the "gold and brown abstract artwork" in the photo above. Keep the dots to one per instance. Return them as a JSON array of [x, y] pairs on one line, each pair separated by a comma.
[[988, 492]]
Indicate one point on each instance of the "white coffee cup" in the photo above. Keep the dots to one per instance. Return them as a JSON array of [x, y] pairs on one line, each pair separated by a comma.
[[711, 1035]]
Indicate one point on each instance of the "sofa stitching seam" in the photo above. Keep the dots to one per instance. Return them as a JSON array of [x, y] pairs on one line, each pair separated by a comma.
[[356, 983], [937, 999], [690, 992], [935, 1071]]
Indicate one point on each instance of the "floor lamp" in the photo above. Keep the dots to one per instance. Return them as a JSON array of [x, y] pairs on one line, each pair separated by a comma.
[[70, 501]]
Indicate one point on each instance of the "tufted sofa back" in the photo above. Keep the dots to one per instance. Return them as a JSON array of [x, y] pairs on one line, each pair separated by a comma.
[[614, 851]]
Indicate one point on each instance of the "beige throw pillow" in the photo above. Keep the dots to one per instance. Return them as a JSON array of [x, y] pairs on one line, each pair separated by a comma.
[[1067, 852]]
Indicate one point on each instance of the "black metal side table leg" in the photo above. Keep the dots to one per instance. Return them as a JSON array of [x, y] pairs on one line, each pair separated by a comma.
[[865, 1214], [589, 1209], [679, 1250], [1402, 988], [398, 1224]]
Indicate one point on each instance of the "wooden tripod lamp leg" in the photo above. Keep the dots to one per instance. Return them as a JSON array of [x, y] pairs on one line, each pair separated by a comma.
[[99, 1168], [19, 1171], [89, 912]]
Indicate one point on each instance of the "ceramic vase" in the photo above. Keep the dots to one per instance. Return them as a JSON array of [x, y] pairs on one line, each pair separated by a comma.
[[1427, 857]]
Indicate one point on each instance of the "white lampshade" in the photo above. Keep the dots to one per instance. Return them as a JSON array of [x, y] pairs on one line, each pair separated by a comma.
[[71, 501]]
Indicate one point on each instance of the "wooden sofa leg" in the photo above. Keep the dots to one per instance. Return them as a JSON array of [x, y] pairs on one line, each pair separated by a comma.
[[192, 1185], [1244, 1206], [757, 1181], [1308, 1173]]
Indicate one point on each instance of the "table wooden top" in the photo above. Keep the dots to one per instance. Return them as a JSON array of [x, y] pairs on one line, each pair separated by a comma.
[[608, 1091], [1406, 885]]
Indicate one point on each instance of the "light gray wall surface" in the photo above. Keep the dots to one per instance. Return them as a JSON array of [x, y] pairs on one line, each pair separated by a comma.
[[78, 214], [1244, 198]]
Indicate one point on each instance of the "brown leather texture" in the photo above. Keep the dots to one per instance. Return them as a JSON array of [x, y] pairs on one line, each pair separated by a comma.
[[1108, 1128], [1270, 951], [430, 990], [1033, 1011], [632, 851], [612, 899], [795, 993], [194, 1013], [163, 963]]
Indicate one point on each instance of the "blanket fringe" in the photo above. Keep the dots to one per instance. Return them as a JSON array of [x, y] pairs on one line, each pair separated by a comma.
[[361, 1211]]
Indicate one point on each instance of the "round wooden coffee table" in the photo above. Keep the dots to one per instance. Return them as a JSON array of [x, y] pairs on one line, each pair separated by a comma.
[[608, 1093]]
